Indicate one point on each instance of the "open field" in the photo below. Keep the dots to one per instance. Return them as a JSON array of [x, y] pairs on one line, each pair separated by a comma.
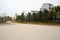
[[16, 31]]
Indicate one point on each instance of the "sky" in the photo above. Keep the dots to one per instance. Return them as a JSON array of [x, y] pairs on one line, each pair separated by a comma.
[[11, 7]]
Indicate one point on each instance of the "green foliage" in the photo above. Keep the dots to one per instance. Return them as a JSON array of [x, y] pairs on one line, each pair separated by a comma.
[[28, 17], [45, 15], [2, 19], [41, 16], [8, 18], [20, 18], [33, 17]]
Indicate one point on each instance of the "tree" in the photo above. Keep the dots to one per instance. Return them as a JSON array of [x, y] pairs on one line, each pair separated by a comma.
[[34, 17], [8, 18], [22, 17], [18, 18], [50, 15], [39, 16], [57, 8], [28, 17], [45, 15], [58, 17]]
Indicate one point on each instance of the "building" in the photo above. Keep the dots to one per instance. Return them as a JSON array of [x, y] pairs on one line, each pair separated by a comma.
[[46, 6]]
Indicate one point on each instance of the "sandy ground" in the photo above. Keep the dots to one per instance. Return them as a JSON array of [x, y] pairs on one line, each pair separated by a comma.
[[14, 31]]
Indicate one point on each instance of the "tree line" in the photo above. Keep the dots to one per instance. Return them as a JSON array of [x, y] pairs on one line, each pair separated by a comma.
[[40, 16], [5, 18]]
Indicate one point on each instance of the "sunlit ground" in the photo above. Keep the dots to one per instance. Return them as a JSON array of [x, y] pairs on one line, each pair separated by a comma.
[[16, 31]]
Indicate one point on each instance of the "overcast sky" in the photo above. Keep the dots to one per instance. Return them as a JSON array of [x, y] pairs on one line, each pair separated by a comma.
[[10, 7]]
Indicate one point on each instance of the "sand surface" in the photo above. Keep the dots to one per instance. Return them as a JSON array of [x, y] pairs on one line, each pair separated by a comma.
[[14, 31]]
